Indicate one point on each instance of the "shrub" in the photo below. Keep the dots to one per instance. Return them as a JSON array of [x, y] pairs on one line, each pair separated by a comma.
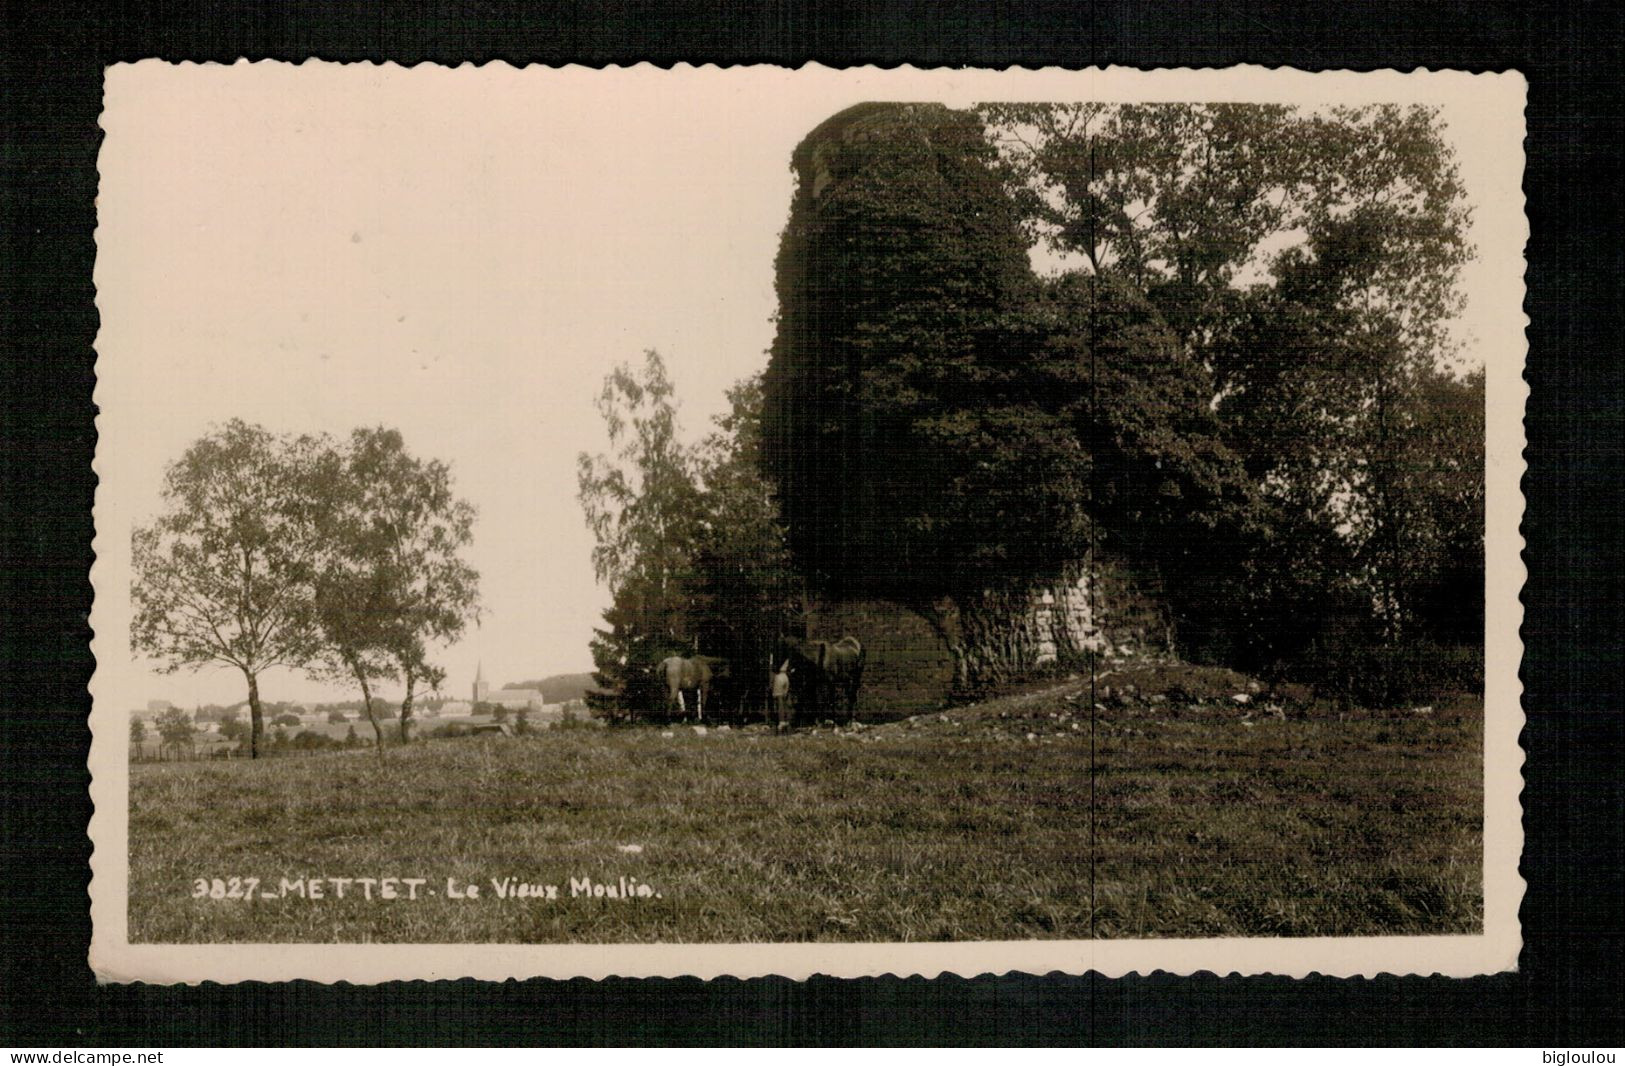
[[310, 740]]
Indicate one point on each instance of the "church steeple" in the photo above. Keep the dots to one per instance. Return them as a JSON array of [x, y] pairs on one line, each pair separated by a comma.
[[481, 689]]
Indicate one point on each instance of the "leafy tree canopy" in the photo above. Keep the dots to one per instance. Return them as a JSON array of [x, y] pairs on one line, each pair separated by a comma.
[[689, 540], [641, 502], [1193, 203], [391, 583], [222, 576]]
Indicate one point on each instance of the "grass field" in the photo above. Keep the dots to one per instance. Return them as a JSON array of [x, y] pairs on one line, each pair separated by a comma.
[[983, 822]]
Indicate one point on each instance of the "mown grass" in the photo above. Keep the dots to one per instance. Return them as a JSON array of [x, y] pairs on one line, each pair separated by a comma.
[[972, 824]]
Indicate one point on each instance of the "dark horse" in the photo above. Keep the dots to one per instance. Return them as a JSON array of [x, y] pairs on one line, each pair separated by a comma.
[[695, 674], [837, 665]]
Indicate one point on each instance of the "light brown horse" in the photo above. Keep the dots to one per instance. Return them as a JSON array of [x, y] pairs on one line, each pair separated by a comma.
[[694, 674]]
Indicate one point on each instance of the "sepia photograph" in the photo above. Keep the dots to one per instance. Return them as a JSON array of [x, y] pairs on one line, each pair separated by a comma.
[[757, 521]]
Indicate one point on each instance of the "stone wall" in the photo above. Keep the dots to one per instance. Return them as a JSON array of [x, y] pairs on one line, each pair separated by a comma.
[[909, 666], [1065, 621], [1115, 620]]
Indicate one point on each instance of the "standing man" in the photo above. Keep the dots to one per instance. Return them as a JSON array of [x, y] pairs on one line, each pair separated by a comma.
[[781, 695]]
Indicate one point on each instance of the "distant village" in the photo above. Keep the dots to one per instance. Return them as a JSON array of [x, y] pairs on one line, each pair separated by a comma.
[[542, 704]]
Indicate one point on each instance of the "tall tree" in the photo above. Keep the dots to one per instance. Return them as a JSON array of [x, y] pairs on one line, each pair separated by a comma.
[[1309, 260], [641, 502], [747, 593], [222, 576], [1190, 202], [712, 573], [1334, 391], [392, 583]]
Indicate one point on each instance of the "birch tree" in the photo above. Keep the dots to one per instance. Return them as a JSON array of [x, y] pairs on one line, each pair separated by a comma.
[[641, 501], [392, 584]]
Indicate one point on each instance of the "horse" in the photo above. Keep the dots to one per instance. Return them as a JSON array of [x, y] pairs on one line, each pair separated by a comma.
[[837, 664], [694, 674]]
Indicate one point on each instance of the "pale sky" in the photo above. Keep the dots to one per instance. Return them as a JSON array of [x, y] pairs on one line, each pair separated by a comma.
[[464, 254]]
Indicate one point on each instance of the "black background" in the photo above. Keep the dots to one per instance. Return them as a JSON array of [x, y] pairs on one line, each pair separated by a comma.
[[1568, 991]]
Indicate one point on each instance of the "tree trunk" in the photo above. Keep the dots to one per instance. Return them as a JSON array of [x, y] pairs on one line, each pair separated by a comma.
[[366, 701], [406, 709], [256, 717]]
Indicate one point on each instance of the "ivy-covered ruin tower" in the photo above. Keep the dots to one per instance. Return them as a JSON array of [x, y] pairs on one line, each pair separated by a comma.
[[924, 417]]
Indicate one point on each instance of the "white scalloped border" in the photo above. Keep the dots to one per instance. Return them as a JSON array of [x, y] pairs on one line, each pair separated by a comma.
[[1500, 97]]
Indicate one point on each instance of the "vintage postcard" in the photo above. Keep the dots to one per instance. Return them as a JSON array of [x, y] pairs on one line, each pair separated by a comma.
[[568, 522]]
